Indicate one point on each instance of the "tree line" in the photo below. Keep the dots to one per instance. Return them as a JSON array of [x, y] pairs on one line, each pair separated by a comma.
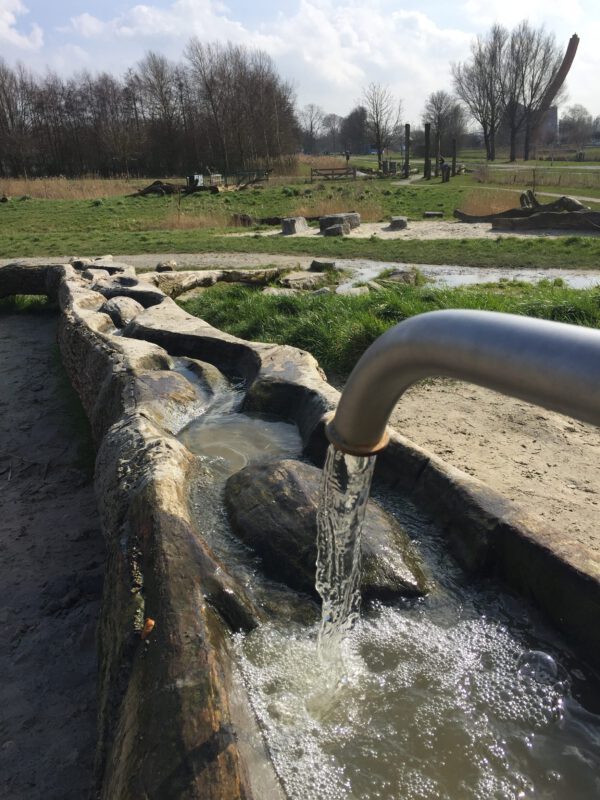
[[224, 108], [504, 87]]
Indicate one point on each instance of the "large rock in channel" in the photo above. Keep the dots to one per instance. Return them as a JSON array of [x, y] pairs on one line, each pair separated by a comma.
[[273, 509]]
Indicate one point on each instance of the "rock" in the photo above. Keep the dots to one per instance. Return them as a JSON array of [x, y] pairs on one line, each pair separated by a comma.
[[321, 266], [209, 378], [322, 290], [291, 225], [80, 263], [122, 310], [432, 214], [398, 223], [95, 274], [408, 276], [107, 257], [337, 230], [301, 280], [273, 509], [374, 287], [351, 218], [277, 292], [165, 266]]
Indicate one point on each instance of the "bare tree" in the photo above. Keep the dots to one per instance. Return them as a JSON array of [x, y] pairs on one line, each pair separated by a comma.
[[331, 127], [353, 131], [531, 61], [477, 83], [576, 126], [383, 116], [540, 65], [311, 122], [447, 120]]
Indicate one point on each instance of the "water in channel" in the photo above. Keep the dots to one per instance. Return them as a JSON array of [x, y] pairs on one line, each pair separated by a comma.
[[460, 695]]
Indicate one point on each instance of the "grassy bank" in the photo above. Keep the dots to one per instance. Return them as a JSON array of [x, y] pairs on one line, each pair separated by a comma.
[[337, 329]]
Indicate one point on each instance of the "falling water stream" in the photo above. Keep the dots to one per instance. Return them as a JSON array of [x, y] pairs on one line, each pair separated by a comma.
[[342, 506]]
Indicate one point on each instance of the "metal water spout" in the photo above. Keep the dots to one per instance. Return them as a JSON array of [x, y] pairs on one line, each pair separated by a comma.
[[551, 364]]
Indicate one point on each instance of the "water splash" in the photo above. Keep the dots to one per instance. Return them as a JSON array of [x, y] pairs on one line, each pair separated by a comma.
[[342, 507]]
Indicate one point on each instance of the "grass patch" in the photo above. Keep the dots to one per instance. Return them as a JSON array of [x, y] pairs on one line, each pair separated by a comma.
[[337, 329], [200, 223], [28, 303]]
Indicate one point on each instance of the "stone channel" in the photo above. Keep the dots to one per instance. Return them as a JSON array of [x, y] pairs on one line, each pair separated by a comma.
[[174, 721]]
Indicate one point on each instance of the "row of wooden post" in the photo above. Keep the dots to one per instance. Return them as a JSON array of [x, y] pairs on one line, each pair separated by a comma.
[[427, 166]]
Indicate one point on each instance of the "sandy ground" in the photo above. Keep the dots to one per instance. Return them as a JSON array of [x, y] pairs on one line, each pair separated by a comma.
[[51, 566], [546, 462], [427, 229]]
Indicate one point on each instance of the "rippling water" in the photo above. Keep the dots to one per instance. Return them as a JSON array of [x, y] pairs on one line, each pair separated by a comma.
[[456, 696]]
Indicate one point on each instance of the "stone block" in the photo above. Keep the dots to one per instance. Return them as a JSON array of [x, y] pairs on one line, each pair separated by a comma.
[[350, 218], [291, 225], [337, 230], [398, 223]]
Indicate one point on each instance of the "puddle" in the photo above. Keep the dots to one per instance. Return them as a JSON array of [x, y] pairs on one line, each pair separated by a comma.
[[452, 276]]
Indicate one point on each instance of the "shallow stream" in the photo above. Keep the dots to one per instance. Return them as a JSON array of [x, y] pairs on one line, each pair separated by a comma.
[[462, 694]]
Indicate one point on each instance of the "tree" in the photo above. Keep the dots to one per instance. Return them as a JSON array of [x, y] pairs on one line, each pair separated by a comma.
[[477, 84], [530, 63], [447, 120], [311, 122], [576, 126], [353, 131], [383, 116], [331, 129]]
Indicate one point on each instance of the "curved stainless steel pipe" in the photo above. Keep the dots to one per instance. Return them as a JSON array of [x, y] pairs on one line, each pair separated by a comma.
[[548, 363]]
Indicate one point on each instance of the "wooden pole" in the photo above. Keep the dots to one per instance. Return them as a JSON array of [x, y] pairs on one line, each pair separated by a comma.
[[427, 166], [453, 157], [406, 150]]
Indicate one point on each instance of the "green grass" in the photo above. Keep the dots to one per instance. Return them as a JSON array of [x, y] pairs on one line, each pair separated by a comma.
[[337, 329], [130, 225], [28, 303]]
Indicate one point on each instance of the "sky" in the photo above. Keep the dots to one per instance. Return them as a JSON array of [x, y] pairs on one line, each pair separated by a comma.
[[328, 50]]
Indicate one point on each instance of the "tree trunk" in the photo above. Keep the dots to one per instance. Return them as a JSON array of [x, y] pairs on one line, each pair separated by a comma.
[[406, 150], [527, 143], [513, 142], [427, 165]]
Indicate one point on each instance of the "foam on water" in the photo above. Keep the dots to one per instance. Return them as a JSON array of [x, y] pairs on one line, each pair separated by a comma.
[[426, 711]]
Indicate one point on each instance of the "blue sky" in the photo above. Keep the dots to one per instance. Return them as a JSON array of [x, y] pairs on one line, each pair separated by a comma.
[[328, 50]]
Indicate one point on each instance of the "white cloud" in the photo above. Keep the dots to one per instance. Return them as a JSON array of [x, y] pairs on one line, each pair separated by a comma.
[[9, 11], [86, 25], [184, 18], [484, 13], [330, 49]]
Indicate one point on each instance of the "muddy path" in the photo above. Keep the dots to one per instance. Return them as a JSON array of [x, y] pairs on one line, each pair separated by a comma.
[[51, 567]]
